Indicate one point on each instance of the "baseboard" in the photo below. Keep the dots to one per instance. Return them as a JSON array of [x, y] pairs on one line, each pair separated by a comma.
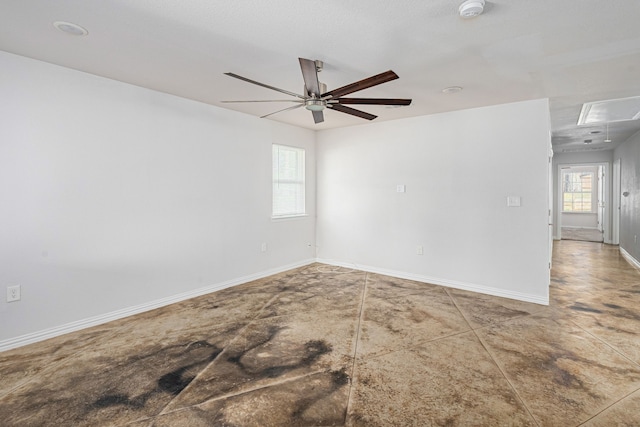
[[446, 283], [580, 228], [626, 255], [33, 337]]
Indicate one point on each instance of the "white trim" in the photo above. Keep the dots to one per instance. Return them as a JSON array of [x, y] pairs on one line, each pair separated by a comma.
[[626, 255], [33, 337], [285, 217], [578, 227], [446, 283], [615, 203]]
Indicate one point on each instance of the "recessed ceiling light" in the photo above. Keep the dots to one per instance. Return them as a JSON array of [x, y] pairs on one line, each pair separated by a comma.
[[70, 28], [452, 89], [471, 8]]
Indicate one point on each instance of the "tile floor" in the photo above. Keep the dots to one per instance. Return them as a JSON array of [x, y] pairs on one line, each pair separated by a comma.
[[329, 346], [584, 234]]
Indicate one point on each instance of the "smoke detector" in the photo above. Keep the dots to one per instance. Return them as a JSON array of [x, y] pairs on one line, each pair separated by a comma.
[[471, 8]]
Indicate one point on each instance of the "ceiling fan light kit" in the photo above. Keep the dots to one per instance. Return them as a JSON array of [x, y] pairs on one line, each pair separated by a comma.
[[316, 98], [471, 8], [314, 105]]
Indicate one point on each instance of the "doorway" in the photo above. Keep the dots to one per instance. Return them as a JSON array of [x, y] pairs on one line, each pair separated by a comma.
[[583, 212]]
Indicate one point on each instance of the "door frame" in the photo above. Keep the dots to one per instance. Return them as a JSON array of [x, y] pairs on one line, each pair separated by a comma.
[[607, 197], [615, 203]]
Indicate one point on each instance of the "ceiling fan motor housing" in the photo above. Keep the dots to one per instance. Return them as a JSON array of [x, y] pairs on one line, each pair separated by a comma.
[[323, 89]]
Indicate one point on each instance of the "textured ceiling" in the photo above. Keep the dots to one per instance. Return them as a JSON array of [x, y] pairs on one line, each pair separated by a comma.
[[571, 51]]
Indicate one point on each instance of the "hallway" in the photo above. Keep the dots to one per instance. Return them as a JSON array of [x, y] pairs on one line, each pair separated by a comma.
[[323, 345]]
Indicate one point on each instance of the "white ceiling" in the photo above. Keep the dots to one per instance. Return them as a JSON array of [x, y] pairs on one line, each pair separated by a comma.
[[571, 51]]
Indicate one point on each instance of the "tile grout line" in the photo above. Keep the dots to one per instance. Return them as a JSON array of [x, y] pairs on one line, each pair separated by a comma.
[[495, 362], [620, 353], [224, 350], [355, 350], [416, 346], [613, 404], [248, 390], [446, 291]]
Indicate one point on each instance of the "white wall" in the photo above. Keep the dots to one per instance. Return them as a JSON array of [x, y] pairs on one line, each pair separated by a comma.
[[458, 169], [112, 196], [579, 220], [629, 155], [582, 158]]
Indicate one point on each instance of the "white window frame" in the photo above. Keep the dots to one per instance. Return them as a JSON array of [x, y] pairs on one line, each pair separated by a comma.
[[592, 209], [289, 183]]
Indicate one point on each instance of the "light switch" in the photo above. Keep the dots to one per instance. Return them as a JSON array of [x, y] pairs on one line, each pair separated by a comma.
[[400, 188], [513, 201]]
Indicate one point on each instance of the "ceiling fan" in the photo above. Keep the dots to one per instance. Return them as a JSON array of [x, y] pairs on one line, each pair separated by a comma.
[[316, 98]]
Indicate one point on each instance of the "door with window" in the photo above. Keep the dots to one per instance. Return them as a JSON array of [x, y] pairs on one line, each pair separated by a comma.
[[582, 208]]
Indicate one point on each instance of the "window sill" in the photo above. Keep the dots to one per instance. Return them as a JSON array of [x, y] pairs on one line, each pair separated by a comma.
[[287, 217]]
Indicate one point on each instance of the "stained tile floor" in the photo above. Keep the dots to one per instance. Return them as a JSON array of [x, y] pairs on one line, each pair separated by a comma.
[[584, 234], [328, 346]]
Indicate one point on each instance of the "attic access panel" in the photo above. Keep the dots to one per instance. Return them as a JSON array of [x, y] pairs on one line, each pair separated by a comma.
[[612, 110]]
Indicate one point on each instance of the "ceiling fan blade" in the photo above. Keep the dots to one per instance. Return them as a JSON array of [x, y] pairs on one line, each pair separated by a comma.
[[352, 111], [267, 100], [310, 75], [374, 101], [280, 111], [362, 84], [318, 116], [264, 85]]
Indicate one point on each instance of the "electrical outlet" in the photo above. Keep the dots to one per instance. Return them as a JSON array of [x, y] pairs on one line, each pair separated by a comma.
[[419, 250], [13, 293]]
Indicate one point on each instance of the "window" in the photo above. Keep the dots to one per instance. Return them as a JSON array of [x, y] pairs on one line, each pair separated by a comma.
[[577, 191], [288, 181]]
